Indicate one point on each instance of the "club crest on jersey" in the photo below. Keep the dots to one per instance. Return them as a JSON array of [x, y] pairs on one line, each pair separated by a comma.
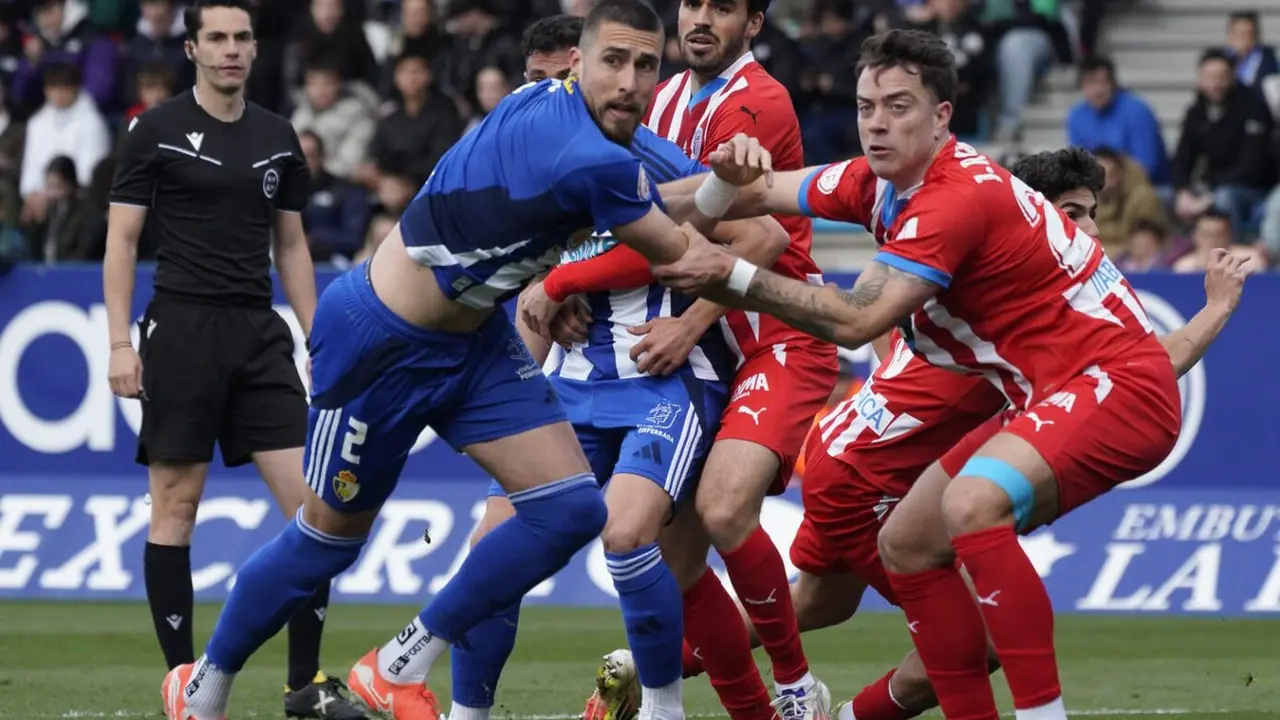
[[695, 145], [642, 185], [270, 183], [829, 180], [345, 485]]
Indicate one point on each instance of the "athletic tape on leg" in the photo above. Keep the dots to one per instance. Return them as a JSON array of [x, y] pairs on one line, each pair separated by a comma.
[[1016, 485]]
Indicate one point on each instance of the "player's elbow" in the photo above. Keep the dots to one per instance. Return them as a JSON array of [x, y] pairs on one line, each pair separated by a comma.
[[776, 239]]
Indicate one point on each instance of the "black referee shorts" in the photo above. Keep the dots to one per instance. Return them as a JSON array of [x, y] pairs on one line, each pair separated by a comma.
[[223, 374]]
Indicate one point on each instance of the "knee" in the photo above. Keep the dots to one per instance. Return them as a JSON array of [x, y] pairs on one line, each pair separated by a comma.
[[728, 518], [973, 504], [906, 550], [625, 532]]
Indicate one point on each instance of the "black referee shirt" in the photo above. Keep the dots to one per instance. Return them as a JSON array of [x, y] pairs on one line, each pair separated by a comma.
[[211, 190]]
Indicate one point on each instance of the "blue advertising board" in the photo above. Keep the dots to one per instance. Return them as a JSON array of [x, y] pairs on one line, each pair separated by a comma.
[[1200, 534]]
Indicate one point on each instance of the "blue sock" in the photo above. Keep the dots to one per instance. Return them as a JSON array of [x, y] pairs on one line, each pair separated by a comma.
[[652, 611], [273, 583], [478, 659], [552, 522]]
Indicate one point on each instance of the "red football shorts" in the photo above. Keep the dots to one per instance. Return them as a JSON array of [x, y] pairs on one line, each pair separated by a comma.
[[842, 518], [1104, 427], [777, 392]]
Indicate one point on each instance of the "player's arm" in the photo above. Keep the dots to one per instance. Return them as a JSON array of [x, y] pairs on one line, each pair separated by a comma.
[[843, 192], [1223, 284], [292, 252], [760, 241]]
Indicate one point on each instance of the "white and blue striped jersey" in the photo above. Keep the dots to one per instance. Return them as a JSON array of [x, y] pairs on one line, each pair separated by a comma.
[[606, 355]]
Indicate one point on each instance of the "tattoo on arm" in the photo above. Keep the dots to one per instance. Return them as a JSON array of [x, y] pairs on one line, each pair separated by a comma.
[[811, 308]]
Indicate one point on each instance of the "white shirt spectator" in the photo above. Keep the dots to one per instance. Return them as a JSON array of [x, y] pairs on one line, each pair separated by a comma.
[[77, 131]]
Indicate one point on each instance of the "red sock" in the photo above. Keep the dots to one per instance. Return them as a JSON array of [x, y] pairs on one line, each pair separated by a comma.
[[875, 702], [1017, 611], [947, 629], [760, 579], [714, 630], [692, 663]]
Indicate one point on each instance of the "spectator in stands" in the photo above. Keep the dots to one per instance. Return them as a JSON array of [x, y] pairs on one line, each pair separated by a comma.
[[160, 39], [1269, 234], [58, 233], [421, 126], [1213, 229], [476, 40], [417, 35], [68, 124], [1113, 117], [153, 85], [62, 35], [336, 212], [326, 34], [1144, 250], [772, 47], [491, 87], [1224, 156], [379, 228], [1127, 199], [1025, 51], [956, 22], [395, 189], [829, 114], [13, 135], [10, 42], [344, 123], [1254, 62]]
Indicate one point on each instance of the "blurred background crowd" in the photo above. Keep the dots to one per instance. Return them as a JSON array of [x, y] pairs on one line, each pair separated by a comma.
[[1178, 98]]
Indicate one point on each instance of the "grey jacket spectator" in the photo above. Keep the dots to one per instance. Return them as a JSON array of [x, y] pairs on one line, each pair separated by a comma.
[[61, 34], [344, 123]]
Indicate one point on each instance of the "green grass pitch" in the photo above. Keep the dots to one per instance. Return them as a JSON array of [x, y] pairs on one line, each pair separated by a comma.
[[80, 660]]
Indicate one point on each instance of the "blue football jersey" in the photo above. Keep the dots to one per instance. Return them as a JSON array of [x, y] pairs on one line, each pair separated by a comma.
[[606, 354], [504, 201]]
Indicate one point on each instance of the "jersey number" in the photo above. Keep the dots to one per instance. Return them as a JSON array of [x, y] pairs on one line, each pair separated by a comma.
[[351, 442], [1071, 251]]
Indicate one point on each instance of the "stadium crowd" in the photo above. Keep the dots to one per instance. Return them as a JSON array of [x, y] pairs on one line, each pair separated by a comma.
[[379, 89]]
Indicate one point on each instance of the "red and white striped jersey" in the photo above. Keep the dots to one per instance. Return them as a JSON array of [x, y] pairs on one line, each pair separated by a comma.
[[1029, 301], [743, 99], [908, 414]]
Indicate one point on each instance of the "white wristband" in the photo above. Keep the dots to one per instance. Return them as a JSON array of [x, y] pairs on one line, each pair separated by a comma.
[[714, 196], [740, 277]]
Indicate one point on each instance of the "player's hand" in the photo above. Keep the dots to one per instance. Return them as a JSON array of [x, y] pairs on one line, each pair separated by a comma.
[[124, 372], [666, 345], [572, 323], [1224, 277], [703, 266], [537, 309], [741, 161]]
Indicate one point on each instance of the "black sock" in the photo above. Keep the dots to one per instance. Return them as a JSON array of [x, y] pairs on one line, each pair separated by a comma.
[[305, 628], [167, 573]]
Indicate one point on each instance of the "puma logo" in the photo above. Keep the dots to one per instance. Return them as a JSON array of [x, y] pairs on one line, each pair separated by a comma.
[[770, 600], [1036, 419], [989, 600], [755, 115], [755, 414]]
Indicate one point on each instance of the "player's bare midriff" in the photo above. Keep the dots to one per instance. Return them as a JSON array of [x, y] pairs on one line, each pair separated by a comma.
[[410, 290]]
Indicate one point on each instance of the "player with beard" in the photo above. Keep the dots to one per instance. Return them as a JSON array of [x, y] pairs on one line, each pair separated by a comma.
[[783, 379], [902, 426], [1008, 289]]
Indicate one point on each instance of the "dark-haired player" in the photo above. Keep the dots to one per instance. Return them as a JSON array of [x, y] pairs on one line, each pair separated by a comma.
[[416, 338], [1010, 290], [866, 454], [212, 178], [546, 44], [784, 376]]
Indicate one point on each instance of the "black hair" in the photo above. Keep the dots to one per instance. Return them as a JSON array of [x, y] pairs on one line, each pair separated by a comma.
[[1214, 213], [193, 16], [1054, 173], [634, 14], [917, 52], [1091, 65], [316, 138], [1216, 54], [551, 34], [62, 74], [65, 168], [1249, 16], [1148, 226]]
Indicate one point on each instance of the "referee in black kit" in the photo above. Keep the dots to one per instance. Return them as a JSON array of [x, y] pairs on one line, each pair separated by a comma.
[[210, 177]]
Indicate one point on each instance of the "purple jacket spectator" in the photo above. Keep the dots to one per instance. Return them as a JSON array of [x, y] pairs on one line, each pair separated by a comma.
[[61, 34]]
